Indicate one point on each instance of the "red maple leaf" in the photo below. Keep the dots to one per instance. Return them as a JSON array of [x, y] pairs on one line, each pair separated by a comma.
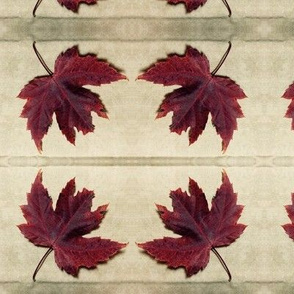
[[289, 228], [72, 5], [289, 94], [201, 93], [194, 4], [62, 229], [62, 93], [201, 230]]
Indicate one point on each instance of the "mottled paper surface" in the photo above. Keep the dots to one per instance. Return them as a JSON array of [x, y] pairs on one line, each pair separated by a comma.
[[132, 160]]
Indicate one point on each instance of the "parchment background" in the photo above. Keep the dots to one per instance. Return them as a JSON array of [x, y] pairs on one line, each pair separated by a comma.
[[132, 161]]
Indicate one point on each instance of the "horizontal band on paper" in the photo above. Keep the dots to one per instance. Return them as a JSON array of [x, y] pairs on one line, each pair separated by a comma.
[[221, 161], [146, 29]]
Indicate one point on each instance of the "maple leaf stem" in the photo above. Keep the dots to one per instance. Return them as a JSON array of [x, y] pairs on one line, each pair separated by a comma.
[[222, 262], [42, 60], [222, 60], [41, 263], [228, 7], [36, 7]]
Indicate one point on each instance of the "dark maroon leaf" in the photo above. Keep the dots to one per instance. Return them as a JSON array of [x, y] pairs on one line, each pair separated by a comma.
[[62, 93], [289, 94], [72, 5], [202, 92], [289, 228], [62, 229], [201, 229], [194, 4]]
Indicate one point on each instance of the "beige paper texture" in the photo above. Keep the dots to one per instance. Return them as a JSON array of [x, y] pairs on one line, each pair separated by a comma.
[[133, 161]]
